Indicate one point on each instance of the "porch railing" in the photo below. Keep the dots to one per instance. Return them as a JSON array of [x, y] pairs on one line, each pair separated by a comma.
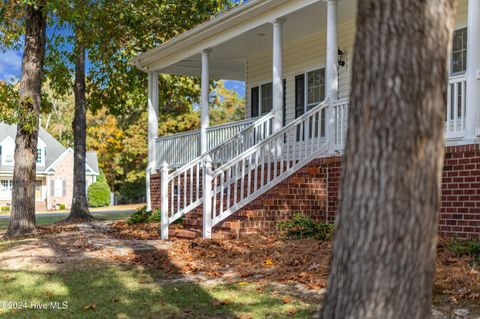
[[179, 149], [184, 185], [455, 110]]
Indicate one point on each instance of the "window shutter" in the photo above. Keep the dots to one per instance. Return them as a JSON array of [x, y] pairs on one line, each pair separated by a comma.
[[64, 188], [299, 95], [52, 188], [255, 102]]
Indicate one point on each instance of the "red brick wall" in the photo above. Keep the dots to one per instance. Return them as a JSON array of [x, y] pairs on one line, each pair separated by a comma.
[[314, 190], [460, 211]]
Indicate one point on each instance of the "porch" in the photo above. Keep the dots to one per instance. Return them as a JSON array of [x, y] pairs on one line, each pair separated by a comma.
[[295, 58]]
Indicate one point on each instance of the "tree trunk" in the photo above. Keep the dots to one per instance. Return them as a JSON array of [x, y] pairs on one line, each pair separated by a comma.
[[22, 221], [385, 242], [79, 211]]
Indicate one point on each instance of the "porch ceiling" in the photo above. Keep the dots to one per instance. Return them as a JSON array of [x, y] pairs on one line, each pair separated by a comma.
[[250, 35]]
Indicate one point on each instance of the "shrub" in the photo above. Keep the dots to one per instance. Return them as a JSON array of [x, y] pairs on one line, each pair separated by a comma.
[[4, 209], [142, 215], [155, 217], [470, 248], [61, 206], [301, 226], [99, 192]]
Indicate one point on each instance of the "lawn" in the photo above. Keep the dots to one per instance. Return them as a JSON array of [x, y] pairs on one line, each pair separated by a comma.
[[96, 290], [47, 220]]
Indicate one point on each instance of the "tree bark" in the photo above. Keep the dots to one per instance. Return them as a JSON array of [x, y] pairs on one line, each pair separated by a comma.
[[79, 211], [385, 242], [22, 221]]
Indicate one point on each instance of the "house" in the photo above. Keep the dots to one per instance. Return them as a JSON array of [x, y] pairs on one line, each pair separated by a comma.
[[295, 57], [54, 171]]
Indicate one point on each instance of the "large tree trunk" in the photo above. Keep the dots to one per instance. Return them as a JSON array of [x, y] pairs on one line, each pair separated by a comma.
[[79, 211], [385, 242], [22, 221]]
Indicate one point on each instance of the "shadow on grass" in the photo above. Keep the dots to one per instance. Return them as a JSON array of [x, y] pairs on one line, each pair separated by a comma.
[[94, 288]]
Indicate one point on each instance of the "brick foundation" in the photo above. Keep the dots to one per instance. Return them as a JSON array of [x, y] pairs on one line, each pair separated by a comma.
[[314, 191]]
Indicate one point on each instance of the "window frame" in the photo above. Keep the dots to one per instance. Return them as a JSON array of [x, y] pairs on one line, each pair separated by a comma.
[[464, 49], [306, 72], [260, 98], [9, 186]]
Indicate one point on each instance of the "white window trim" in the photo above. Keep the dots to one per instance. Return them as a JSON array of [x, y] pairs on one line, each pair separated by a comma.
[[305, 72], [4, 154], [450, 64], [260, 98]]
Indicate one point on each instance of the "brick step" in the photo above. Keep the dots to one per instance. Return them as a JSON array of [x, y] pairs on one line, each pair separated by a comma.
[[184, 233]]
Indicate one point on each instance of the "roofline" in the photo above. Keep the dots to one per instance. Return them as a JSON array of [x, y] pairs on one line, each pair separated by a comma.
[[228, 15], [62, 155], [242, 16]]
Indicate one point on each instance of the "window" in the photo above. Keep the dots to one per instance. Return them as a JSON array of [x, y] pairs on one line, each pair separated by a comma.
[[58, 188], [315, 88], [5, 185], [38, 190], [9, 158], [266, 99], [459, 51], [39, 155]]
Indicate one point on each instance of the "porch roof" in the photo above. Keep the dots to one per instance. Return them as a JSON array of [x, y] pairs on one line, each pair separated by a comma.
[[238, 33]]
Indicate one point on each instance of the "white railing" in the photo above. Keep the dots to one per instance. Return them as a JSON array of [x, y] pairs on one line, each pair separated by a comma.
[[179, 149], [340, 115], [455, 110], [238, 182], [183, 189]]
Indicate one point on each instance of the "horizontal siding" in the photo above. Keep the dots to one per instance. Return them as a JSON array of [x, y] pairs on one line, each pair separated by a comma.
[[308, 53]]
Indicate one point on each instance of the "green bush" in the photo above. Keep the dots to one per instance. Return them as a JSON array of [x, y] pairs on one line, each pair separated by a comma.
[[99, 192], [142, 215], [301, 226], [4, 209], [470, 248], [62, 206]]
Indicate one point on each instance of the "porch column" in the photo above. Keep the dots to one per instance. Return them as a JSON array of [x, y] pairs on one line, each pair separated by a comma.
[[331, 68], [152, 131], [473, 70], [277, 76], [205, 114]]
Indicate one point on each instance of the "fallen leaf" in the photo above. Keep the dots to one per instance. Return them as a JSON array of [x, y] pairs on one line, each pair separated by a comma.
[[268, 263], [286, 299], [90, 307], [243, 283]]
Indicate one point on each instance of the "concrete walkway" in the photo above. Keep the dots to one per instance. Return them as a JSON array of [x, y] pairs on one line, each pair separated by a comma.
[[66, 214]]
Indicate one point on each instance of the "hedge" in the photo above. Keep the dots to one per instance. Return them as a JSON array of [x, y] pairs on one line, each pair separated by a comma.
[[99, 193]]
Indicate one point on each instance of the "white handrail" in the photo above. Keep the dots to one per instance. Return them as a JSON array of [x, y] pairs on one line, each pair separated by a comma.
[[258, 169], [184, 186], [181, 148], [455, 110]]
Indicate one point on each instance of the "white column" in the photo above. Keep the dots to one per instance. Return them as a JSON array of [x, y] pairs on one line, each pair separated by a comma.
[[205, 115], [277, 76], [207, 198], [473, 69], [152, 130], [331, 68], [164, 201]]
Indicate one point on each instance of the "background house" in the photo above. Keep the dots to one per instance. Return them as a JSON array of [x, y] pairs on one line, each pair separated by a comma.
[[54, 174]]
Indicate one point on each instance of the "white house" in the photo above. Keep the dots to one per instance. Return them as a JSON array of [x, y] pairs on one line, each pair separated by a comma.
[[295, 57], [54, 170]]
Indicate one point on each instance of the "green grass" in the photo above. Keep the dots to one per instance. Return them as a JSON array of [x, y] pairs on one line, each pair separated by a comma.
[[46, 220], [127, 292]]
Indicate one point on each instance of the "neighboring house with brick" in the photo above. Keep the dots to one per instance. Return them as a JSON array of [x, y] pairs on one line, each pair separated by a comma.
[[295, 57], [54, 171]]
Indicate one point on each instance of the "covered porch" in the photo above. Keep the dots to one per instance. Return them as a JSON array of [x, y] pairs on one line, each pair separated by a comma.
[[243, 43]]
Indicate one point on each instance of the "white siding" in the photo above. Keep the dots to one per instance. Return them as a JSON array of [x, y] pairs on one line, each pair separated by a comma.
[[308, 53]]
